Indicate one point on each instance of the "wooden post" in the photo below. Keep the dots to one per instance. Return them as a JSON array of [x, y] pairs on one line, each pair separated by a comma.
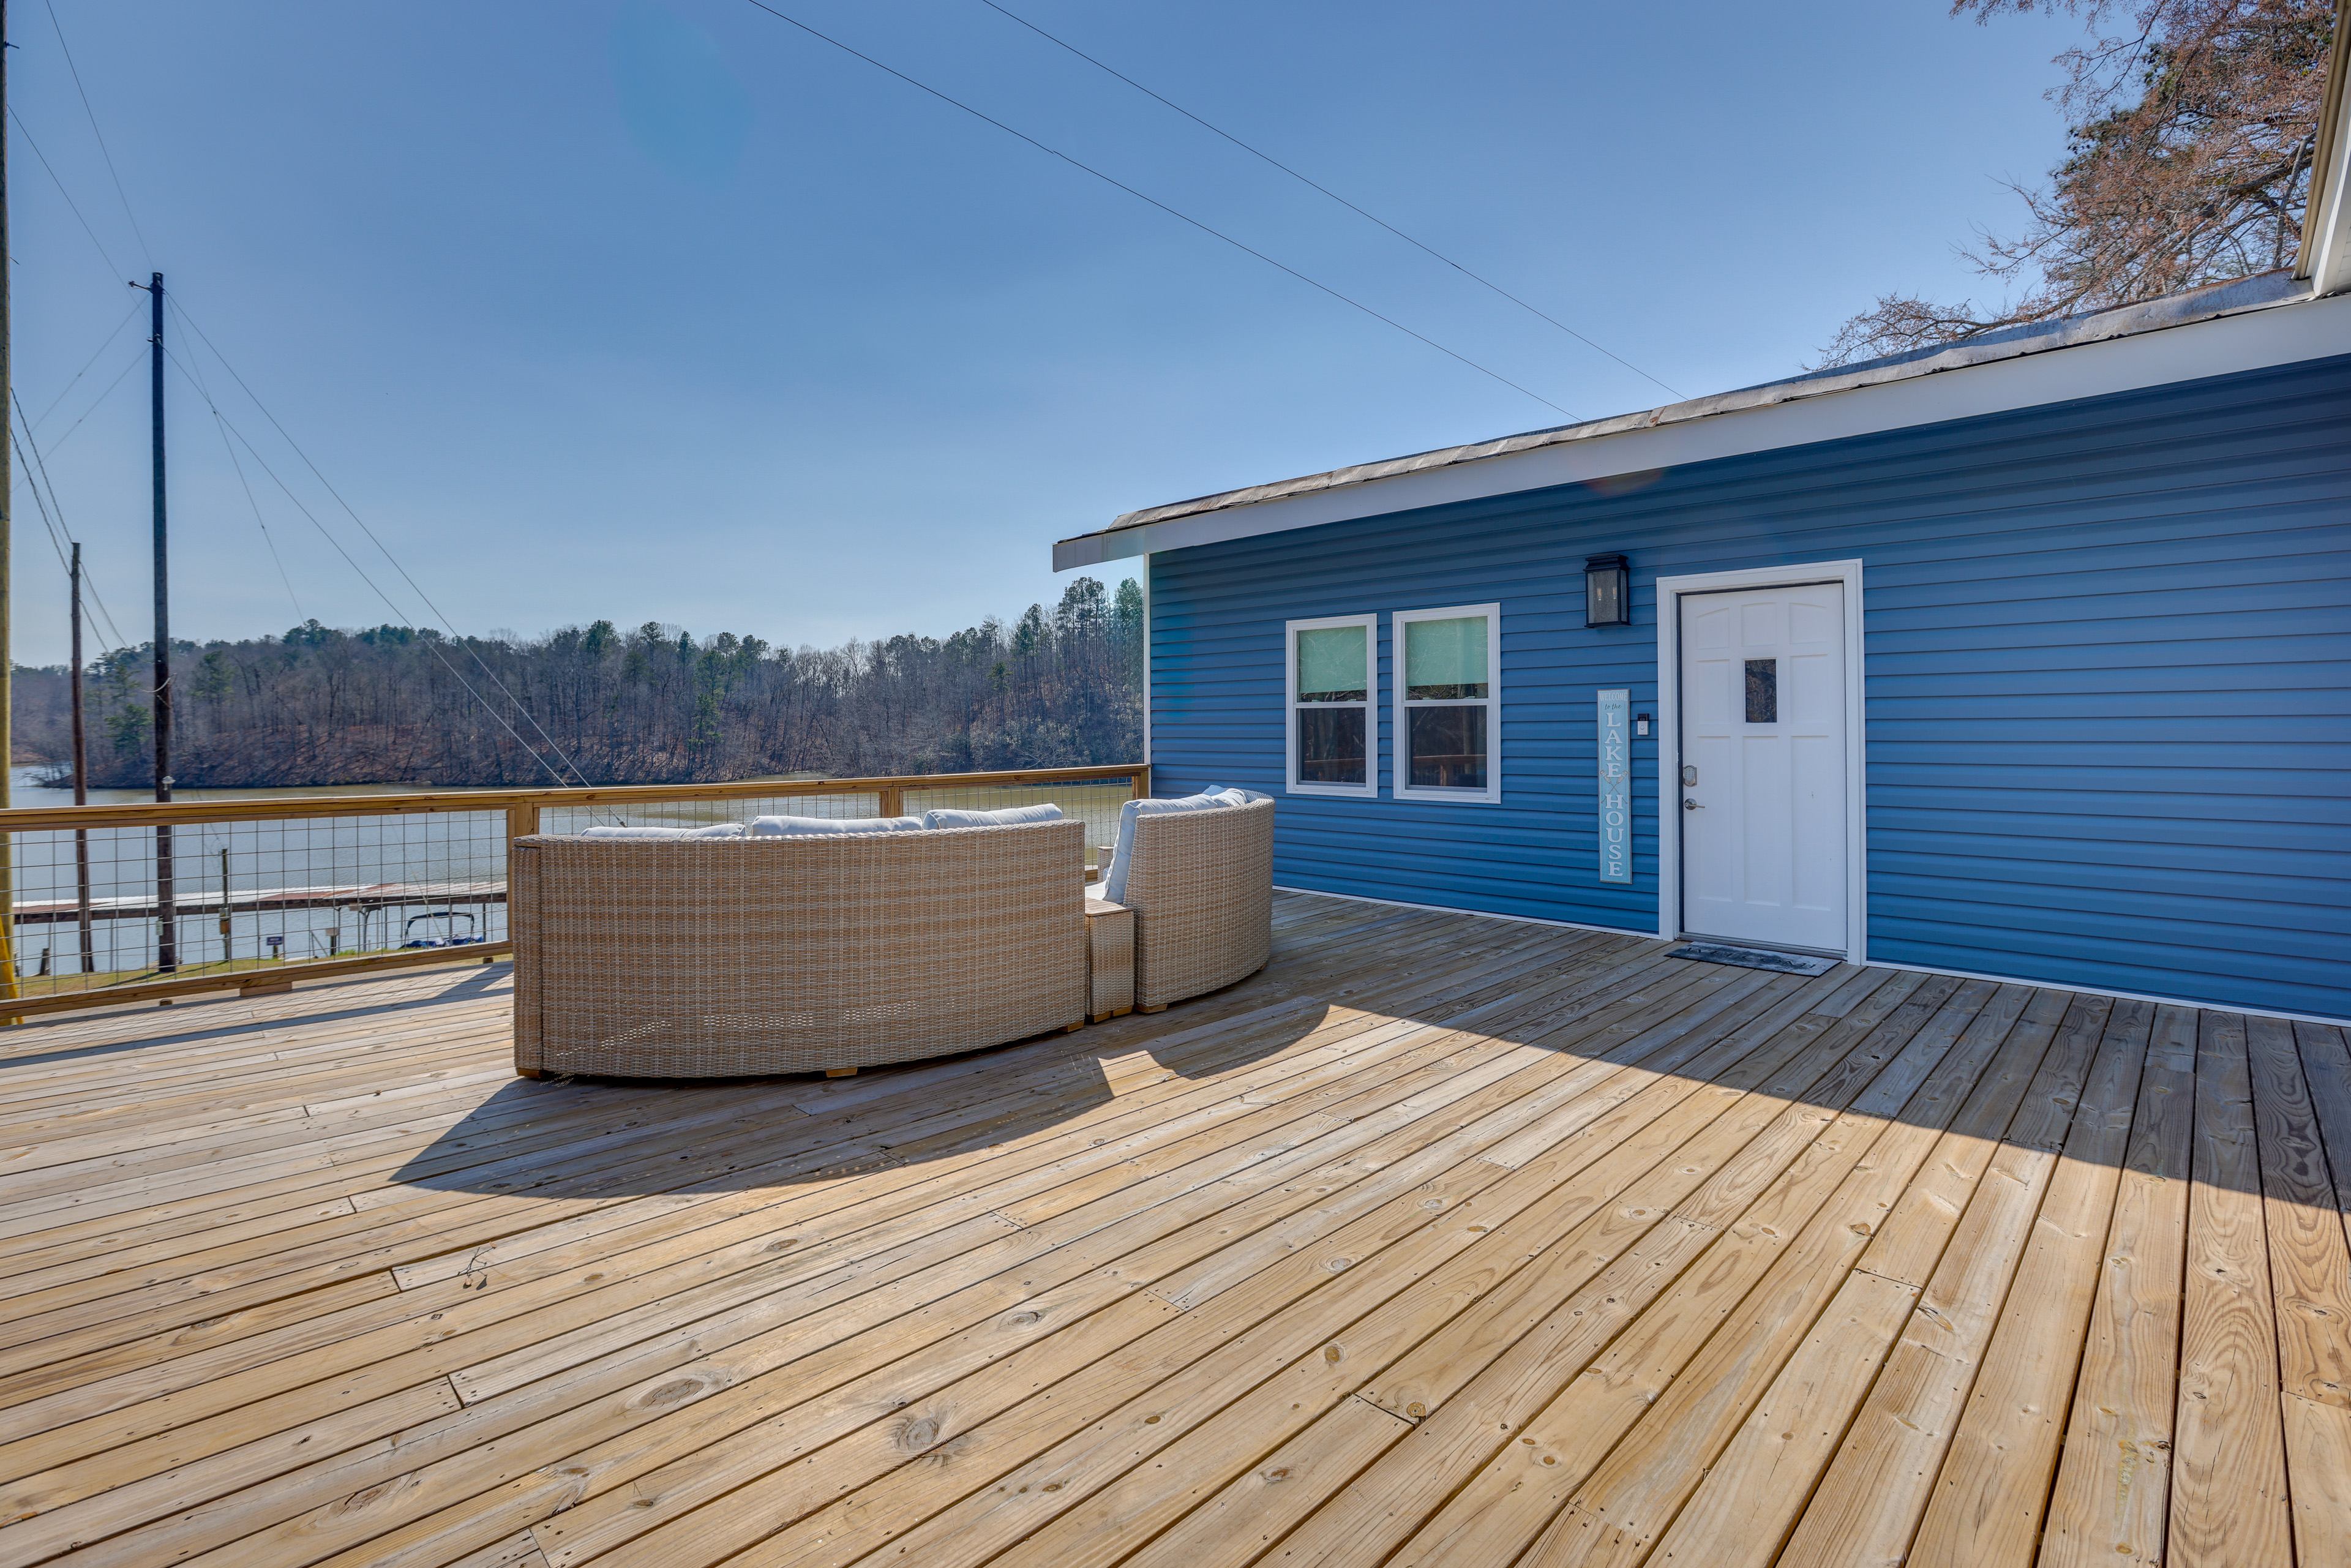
[[893, 800], [8, 985], [81, 786], [521, 822], [167, 914]]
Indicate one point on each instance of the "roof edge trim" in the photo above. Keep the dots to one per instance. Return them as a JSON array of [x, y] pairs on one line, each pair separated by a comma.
[[2185, 337]]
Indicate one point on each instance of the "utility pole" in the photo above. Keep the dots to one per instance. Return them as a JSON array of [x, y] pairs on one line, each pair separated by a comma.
[[7, 649], [167, 912], [81, 781]]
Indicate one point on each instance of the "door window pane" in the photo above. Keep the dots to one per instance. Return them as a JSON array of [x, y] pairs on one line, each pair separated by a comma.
[[1331, 665], [1331, 745], [1445, 660], [1448, 746], [1763, 691]]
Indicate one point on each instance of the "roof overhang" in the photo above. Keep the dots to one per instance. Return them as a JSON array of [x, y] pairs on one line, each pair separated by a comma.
[[2250, 325]]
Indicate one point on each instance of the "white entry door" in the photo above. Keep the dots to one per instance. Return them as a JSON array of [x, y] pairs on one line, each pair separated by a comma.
[[1763, 782]]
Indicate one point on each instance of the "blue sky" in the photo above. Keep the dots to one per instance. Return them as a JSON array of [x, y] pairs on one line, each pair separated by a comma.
[[669, 311]]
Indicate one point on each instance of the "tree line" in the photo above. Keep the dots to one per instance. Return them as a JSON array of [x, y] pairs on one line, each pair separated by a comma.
[[598, 704]]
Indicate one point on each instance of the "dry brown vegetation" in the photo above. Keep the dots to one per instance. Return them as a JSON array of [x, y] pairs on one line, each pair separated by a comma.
[[2188, 162], [654, 706]]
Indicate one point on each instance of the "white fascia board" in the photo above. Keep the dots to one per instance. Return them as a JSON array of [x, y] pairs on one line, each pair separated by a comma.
[[2256, 340], [2330, 259]]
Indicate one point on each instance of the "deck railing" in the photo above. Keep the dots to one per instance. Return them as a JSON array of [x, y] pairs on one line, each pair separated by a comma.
[[263, 892]]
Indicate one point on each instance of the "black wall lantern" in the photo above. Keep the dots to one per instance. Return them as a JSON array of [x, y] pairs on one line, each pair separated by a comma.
[[1607, 592]]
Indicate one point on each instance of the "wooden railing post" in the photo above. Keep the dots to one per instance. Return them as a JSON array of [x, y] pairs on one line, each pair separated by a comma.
[[521, 822], [893, 800]]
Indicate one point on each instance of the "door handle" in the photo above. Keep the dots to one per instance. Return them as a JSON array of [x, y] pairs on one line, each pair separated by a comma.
[[1692, 806]]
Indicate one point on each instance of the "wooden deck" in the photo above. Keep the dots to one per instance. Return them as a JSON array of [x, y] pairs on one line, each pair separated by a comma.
[[1443, 1241]]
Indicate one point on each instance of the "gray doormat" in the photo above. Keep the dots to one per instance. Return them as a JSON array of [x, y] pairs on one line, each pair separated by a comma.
[[1755, 958]]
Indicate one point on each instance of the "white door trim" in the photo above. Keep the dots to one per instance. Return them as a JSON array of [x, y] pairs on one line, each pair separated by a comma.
[[1669, 735]]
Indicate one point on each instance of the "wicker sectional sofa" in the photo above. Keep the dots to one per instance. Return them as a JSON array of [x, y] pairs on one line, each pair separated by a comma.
[[727, 957], [1201, 886], [722, 958]]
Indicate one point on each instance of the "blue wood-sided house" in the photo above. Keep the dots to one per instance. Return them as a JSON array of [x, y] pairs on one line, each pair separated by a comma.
[[2025, 658]]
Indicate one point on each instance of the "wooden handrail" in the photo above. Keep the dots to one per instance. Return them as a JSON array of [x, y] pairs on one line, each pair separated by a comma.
[[39, 819], [521, 809]]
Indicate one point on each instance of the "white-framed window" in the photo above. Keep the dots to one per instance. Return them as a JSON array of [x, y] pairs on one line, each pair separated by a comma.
[[1334, 746], [1447, 692]]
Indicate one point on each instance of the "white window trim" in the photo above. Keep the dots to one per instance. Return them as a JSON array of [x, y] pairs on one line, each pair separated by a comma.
[[1400, 732], [1369, 789], [1669, 737]]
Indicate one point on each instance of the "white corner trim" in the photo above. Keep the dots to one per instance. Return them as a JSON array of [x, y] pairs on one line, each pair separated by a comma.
[[2254, 340], [1669, 737], [1369, 789], [2330, 189], [1146, 661], [1400, 737]]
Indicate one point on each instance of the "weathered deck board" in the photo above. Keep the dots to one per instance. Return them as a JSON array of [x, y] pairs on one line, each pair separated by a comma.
[[1443, 1240]]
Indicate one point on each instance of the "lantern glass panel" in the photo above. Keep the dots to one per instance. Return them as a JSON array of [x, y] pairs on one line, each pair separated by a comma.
[[1603, 597]]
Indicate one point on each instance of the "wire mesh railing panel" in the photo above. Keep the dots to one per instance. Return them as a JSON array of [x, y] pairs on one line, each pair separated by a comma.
[[707, 813], [1096, 802], [96, 908], [171, 899]]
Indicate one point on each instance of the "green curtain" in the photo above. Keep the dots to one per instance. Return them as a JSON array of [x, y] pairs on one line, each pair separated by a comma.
[[1445, 652], [1332, 664]]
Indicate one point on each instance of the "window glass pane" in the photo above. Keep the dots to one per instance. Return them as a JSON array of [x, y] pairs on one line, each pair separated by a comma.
[[1332, 662], [1448, 746], [1763, 691], [1331, 745], [1445, 658]]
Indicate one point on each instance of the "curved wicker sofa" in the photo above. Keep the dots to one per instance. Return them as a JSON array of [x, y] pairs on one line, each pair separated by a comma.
[[728, 957], [1201, 886]]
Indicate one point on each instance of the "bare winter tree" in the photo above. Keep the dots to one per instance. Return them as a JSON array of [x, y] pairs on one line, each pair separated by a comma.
[[2188, 162], [399, 704]]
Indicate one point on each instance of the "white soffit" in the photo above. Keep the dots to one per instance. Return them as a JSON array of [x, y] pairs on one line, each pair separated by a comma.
[[2284, 333]]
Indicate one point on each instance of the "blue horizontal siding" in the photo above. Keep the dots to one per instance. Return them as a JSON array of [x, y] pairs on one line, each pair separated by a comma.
[[2108, 659]]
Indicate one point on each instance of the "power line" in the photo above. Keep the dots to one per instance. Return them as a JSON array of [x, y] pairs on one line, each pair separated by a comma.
[[1171, 211], [139, 354], [94, 130], [1334, 195], [85, 368], [382, 548], [456, 674], [39, 465], [63, 192], [222, 425], [196, 380]]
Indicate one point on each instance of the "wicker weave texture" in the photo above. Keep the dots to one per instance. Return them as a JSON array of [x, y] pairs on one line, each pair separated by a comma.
[[1201, 886], [714, 959]]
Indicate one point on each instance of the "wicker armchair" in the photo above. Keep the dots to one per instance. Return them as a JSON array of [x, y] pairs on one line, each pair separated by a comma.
[[1201, 886], [716, 958]]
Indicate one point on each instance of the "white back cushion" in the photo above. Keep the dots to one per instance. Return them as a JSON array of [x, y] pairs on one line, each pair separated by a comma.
[[951, 817], [1114, 883], [806, 827]]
